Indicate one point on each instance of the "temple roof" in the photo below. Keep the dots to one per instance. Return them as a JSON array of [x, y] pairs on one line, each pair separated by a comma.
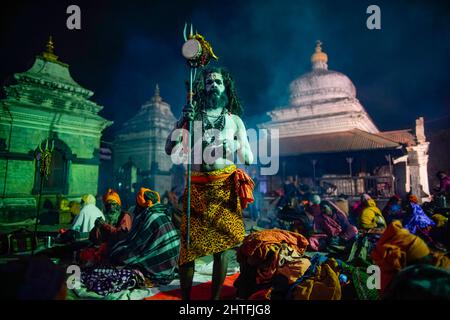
[[352, 140], [401, 136], [154, 113], [48, 71]]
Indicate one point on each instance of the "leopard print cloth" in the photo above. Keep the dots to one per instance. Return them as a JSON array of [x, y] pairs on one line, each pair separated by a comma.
[[216, 215]]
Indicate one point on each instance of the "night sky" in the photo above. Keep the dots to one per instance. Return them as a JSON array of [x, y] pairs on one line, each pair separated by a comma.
[[125, 47]]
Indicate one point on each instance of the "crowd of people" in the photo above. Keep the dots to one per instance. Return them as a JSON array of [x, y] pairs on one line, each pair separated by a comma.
[[355, 234], [315, 248], [341, 238]]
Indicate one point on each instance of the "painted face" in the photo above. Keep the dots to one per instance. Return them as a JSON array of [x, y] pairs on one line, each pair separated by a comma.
[[214, 83], [112, 207]]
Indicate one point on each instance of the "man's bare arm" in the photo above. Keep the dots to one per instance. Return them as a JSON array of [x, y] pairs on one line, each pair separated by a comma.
[[244, 151]]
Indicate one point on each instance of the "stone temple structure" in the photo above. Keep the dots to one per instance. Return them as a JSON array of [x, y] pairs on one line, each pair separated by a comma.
[[47, 107], [138, 148], [328, 138]]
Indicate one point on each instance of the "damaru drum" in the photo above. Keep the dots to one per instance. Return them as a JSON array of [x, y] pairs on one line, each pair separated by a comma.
[[191, 50]]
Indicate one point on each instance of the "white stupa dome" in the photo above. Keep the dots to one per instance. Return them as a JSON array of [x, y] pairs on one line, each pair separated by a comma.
[[320, 84]]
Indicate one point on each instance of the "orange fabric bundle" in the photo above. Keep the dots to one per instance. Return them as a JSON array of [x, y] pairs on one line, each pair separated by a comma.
[[244, 187], [112, 195], [395, 249], [143, 201], [262, 249]]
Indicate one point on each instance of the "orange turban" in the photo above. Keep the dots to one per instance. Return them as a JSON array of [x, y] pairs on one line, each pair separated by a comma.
[[111, 195], [146, 198], [413, 198]]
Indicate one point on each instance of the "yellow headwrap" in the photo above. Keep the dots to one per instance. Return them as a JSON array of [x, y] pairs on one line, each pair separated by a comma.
[[88, 199], [439, 219], [111, 195], [370, 216], [397, 247], [143, 200]]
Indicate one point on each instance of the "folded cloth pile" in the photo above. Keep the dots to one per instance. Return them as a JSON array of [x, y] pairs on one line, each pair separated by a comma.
[[268, 254]]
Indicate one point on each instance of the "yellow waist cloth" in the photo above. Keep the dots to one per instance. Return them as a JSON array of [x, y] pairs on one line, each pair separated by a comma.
[[216, 222]]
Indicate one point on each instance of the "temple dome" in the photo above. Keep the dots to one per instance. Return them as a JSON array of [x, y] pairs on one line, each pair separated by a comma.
[[320, 84]]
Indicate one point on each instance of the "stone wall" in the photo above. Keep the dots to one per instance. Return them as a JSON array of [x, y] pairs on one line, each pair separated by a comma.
[[83, 179]]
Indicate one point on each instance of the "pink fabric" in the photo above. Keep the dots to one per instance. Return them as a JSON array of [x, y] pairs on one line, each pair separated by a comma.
[[326, 224], [317, 242], [349, 231], [358, 208]]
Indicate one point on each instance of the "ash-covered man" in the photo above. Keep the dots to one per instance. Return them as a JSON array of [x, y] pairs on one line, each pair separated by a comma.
[[219, 191]]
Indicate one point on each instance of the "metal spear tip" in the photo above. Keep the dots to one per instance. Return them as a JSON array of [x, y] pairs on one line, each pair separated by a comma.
[[184, 31]]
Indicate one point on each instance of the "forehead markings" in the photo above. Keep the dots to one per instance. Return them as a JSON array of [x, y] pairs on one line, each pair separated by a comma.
[[214, 76]]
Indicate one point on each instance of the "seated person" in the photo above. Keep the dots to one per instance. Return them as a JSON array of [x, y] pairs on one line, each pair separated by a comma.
[[324, 222], [371, 218], [85, 221], [117, 223], [393, 209], [313, 207], [358, 207], [342, 203], [75, 208], [398, 248], [331, 229], [153, 243], [417, 221]]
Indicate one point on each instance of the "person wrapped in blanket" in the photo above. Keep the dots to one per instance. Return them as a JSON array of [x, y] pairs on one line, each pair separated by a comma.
[[358, 207], [269, 256], [153, 244], [398, 248], [331, 229], [371, 225], [417, 222], [371, 217]]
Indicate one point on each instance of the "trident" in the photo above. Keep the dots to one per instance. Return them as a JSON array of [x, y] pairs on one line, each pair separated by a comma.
[[45, 160], [198, 53]]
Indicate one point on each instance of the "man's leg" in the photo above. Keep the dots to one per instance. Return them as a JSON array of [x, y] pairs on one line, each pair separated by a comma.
[[186, 276], [219, 272]]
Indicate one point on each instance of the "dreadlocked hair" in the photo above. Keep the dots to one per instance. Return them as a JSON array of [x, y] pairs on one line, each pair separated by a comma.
[[200, 95]]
